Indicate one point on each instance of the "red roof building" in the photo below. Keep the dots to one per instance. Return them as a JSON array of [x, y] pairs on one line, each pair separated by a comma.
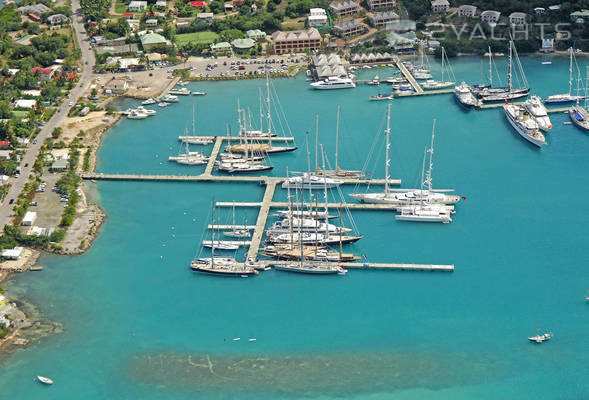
[[198, 4]]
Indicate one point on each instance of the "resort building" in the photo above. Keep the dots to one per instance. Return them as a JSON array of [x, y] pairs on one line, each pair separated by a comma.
[[467, 11], [490, 16], [295, 41], [148, 41], [517, 18], [56, 19], [440, 6], [317, 17], [380, 5], [349, 28], [344, 8], [221, 48], [256, 35], [380, 20], [136, 6]]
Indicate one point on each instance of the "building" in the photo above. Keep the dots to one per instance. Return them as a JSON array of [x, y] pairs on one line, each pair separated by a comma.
[[241, 45], [13, 254], [440, 6], [56, 19], [204, 17], [137, 6], [490, 16], [221, 48], [29, 218], [256, 34], [150, 40], [344, 8], [467, 11], [380, 20], [547, 44], [381, 5], [349, 28], [517, 18], [295, 41], [116, 86], [317, 17]]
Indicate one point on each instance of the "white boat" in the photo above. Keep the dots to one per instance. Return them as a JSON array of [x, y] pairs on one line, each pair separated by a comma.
[[148, 102], [524, 124], [464, 96], [195, 93], [44, 380], [425, 213], [404, 197], [146, 111], [310, 181], [333, 82], [162, 104], [170, 98], [136, 115], [566, 97], [537, 110]]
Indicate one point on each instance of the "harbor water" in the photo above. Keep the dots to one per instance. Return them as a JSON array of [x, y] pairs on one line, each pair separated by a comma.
[[138, 324]]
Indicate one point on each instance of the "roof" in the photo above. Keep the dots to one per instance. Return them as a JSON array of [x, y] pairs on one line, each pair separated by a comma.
[[152, 38], [307, 34], [243, 43]]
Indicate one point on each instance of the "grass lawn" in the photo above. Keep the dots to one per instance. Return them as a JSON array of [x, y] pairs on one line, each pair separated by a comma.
[[197, 37]]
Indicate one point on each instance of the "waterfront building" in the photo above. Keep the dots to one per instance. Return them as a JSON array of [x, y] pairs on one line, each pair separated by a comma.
[[517, 18], [344, 8], [467, 11], [317, 17], [349, 28], [440, 6], [381, 5], [380, 20], [295, 41], [490, 16]]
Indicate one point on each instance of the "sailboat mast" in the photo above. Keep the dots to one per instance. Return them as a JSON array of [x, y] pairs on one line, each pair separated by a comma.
[[387, 148], [490, 68], [337, 140], [509, 83]]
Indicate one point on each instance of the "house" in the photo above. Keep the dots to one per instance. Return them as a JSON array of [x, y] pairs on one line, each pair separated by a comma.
[[547, 44], [12, 254], [317, 17], [380, 20], [46, 73], [150, 40], [59, 166], [344, 8], [161, 4], [490, 16], [24, 103], [256, 34], [241, 45], [205, 17], [381, 5], [294, 41], [5, 155], [349, 28], [539, 10], [151, 22], [29, 218], [198, 4], [137, 6], [467, 11], [440, 6], [517, 18], [221, 48], [56, 19]]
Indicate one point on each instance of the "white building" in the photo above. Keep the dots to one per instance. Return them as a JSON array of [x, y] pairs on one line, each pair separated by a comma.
[[29, 218], [490, 16], [136, 6], [317, 17], [517, 18], [12, 254], [439, 6], [467, 11]]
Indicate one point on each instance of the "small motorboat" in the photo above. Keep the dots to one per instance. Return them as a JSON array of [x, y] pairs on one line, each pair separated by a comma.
[[44, 380]]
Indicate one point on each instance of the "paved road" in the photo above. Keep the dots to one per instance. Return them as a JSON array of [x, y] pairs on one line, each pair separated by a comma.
[[32, 151]]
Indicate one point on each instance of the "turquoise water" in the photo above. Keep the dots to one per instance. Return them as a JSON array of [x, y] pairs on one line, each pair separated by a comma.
[[139, 324]]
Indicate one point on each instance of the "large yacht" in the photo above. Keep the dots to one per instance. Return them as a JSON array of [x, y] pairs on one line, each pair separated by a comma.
[[333, 82], [524, 124], [537, 110]]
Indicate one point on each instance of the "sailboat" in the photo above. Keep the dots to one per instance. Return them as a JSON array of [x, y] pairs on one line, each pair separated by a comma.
[[431, 84], [566, 97], [194, 139], [425, 212], [509, 93], [579, 114], [403, 197], [189, 157], [540, 337]]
